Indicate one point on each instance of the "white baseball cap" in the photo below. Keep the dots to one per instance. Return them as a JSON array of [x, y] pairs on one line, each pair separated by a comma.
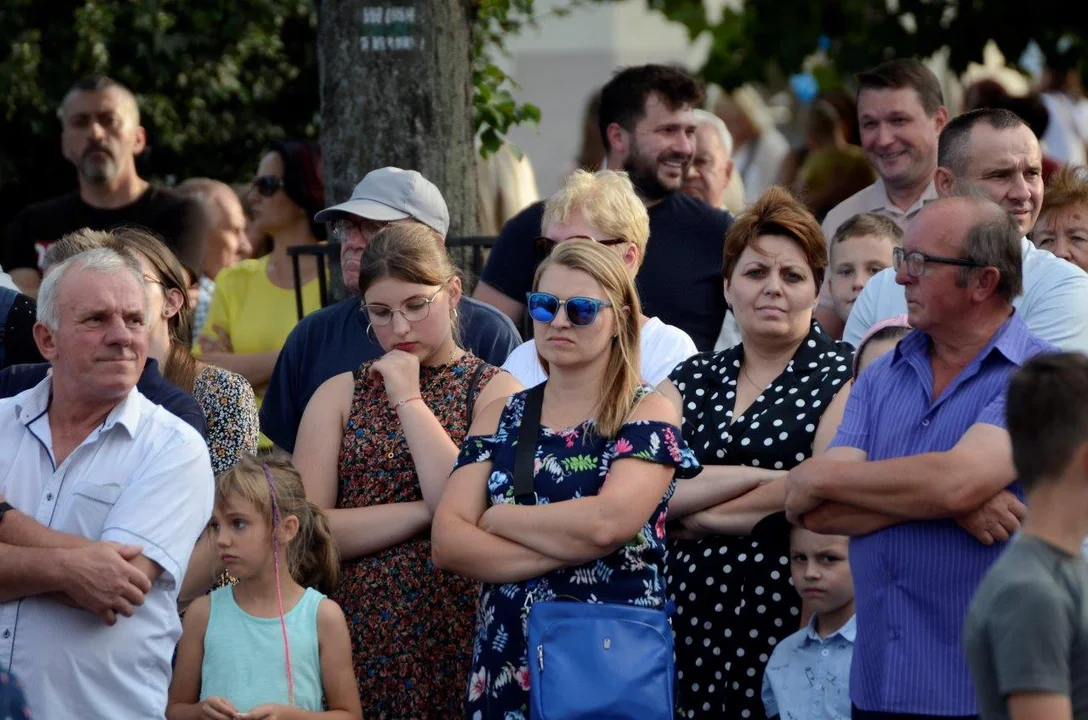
[[388, 194]]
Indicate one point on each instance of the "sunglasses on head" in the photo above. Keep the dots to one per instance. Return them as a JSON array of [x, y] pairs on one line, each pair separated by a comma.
[[267, 185], [544, 245], [581, 311]]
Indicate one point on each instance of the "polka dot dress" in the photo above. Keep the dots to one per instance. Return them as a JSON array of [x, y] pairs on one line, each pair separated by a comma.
[[733, 595]]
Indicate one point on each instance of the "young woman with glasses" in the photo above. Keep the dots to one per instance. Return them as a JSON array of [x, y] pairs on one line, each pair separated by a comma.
[[605, 459], [253, 308], [375, 449], [603, 208]]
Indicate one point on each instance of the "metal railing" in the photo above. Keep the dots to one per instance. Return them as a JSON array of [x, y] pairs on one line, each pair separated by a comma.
[[471, 248]]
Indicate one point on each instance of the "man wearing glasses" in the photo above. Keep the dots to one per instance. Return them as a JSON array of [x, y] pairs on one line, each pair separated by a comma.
[[921, 472], [994, 154], [101, 136], [334, 340]]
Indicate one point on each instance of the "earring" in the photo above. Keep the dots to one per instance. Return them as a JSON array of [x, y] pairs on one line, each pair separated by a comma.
[[370, 334]]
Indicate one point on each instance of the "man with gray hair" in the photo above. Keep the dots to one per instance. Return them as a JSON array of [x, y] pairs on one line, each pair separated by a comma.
[[712, 175], [993, 153], [920, 473], [334, 340], [102, 497]]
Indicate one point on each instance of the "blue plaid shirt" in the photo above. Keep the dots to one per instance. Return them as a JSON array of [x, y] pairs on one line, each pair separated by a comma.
[[808, 677]]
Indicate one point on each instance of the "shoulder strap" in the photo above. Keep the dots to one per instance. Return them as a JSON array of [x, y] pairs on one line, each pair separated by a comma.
[[524, 455], [473, 390]]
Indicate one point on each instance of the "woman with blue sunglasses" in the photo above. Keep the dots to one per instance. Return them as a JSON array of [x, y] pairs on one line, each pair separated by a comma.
[[606, 455], [601, 207]]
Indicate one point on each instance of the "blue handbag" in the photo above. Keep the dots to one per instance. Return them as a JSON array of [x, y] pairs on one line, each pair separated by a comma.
[[591, 661]]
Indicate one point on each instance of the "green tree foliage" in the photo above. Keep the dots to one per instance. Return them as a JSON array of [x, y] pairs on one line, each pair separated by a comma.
[[217, 80], [772, 38]]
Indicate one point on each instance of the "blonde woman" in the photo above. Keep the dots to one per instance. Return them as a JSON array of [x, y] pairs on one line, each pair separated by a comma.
[[603, 207], [606, 454]]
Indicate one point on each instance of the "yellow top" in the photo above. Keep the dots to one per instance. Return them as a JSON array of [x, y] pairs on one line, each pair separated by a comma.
[[256, 315]]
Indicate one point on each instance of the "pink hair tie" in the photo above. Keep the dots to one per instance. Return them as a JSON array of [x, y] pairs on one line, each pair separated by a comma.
[[279, 590]]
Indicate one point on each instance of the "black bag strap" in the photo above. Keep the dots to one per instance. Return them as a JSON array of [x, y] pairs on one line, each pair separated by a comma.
[[524, 454], [473, 390]]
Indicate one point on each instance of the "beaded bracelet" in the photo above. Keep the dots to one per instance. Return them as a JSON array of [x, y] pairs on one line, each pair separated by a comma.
[[401, 403]]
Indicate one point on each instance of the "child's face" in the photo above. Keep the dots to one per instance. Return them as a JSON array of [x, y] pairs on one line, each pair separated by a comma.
[[242, 536], [821, 569], [853, 262], [873, 350]]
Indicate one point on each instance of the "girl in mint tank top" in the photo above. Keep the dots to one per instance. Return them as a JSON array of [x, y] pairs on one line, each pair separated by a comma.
[[272, 646]]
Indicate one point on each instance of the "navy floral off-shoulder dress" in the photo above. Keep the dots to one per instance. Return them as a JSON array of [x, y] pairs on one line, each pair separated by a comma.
[[570, 464]]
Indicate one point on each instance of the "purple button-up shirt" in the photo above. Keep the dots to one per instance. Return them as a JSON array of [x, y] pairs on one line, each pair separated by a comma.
[[914, 581]]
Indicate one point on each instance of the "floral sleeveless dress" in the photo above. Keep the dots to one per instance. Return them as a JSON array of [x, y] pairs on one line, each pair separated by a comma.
[[569, 464], [411, 625]]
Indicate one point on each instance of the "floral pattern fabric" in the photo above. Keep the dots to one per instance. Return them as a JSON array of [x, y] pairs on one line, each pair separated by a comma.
[[569, 464], [410, 624], [230, 415]]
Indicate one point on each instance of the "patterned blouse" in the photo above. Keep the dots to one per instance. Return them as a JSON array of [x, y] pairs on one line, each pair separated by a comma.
[[230, 412], [570, 464]]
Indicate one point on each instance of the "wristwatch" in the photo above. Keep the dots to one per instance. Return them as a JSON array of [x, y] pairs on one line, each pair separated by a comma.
[[4, 507]]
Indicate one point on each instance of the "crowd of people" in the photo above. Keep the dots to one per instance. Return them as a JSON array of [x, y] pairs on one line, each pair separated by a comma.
[[812, 459]]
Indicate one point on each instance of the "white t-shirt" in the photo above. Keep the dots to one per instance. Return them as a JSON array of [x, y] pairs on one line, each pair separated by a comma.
[[662, 347], [1054, 303]]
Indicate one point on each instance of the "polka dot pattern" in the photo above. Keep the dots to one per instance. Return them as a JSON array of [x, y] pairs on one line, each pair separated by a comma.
[[734, 597]]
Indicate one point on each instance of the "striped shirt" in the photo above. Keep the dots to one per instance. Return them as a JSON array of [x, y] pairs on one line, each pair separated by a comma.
[[913, 582]]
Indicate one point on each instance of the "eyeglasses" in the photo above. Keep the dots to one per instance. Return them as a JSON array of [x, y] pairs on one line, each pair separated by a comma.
[[342, 228], [916, 261], [544, 245], [267, 185], [414, 310], [581, 311]]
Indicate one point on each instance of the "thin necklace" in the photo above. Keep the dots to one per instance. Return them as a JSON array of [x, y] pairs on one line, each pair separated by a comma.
[[744, 371]]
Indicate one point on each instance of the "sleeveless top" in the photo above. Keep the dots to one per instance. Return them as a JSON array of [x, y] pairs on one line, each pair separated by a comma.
[[243, 655], [410, 624]]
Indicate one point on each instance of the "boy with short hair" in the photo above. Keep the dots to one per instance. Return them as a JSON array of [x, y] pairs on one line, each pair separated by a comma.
[[861, 247], [808, 675], [1026, 634]]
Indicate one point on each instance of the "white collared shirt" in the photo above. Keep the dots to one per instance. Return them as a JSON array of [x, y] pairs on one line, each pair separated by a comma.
[[142, 478], [1054, 303]]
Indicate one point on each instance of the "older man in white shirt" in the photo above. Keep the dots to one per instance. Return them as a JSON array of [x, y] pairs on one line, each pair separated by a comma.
[[108, 494], [994, 153]]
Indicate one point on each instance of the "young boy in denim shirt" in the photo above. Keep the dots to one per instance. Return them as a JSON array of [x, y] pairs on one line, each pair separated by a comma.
[[808, 675]]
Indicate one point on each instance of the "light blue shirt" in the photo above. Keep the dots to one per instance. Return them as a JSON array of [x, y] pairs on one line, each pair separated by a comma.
[[1054, 304], [244, 659], [808, 677]]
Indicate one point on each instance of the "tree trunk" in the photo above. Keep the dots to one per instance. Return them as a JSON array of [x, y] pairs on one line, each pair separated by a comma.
[[396, 89]]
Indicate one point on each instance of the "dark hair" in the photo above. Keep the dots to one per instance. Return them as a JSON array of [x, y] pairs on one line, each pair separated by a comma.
[[777, 212], [904, 73], [990, 93], [1047, 422], [623, 99], [952, 145], [98, 83], [303, 178], [995, 242], [888, 332]]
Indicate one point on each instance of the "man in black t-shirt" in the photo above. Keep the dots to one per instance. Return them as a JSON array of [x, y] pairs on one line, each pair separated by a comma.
[[648, 129], [101, 136]]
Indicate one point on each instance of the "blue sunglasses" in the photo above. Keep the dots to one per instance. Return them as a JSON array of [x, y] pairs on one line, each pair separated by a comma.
[[581, 311]]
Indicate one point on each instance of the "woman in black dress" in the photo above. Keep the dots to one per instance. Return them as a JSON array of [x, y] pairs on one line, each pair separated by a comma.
[[750, 414]]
